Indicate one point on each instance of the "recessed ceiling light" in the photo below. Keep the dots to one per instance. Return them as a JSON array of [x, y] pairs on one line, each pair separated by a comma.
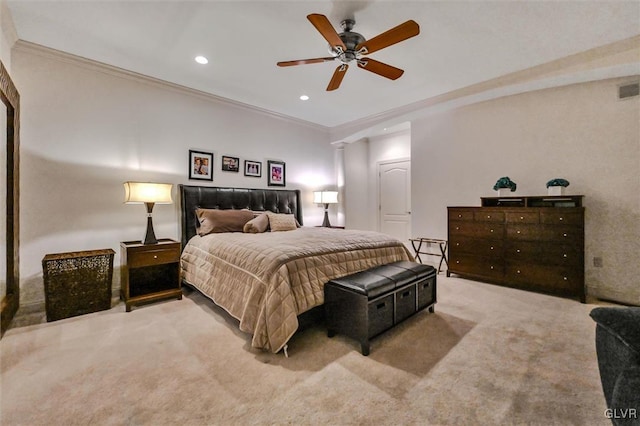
[[304, 97], [202, 60]]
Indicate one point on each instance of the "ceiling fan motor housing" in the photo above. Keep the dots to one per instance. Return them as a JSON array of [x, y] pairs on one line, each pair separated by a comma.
[[350, 39]]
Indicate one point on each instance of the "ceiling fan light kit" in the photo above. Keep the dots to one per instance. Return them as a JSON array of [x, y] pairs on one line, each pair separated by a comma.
[[350, 46]]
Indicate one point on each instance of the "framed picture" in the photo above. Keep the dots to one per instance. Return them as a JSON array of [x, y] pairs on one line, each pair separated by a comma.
[[276, 173], [253, 168], [200, 165], [230, 164]]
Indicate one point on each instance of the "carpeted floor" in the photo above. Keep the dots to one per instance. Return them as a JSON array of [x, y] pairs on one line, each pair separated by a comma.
[[489, 356]]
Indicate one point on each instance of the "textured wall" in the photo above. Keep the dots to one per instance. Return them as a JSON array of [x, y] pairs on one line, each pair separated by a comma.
[[582, 133]]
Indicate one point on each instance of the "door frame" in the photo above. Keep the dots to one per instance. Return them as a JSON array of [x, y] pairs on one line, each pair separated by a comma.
[[10, 302]]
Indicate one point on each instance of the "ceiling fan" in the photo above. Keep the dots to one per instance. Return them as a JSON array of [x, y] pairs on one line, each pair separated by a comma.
[[350, 46]]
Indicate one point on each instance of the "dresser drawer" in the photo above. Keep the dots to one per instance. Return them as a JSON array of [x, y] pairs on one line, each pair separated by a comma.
[[461, 214], [475, 246], [477, 229], [153, 257], [561, 255], [523, 232], [543, 253], [522, 217], [562, 217], [558, 233], [476, 265], [551, 278], [486, 215], [522, 251]]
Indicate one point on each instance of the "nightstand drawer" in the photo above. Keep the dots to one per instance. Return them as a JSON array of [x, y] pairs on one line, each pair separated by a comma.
[[153, 257]]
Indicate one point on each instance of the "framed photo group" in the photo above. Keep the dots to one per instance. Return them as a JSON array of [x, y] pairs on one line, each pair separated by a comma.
[[201, 167]]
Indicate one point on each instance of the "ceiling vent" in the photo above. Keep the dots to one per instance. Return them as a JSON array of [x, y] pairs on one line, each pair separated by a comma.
[[628, 90]]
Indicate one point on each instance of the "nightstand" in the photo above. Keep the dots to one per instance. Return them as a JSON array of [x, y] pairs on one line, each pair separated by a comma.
[[150, 272]]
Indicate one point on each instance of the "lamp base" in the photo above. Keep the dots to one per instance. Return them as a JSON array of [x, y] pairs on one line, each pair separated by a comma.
[[150, 237], [326, 223]]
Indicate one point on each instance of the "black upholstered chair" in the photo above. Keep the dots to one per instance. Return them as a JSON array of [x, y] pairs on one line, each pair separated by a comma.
[[618, 349]]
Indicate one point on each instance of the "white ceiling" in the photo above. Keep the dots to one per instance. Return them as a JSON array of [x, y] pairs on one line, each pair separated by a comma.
[[461, 43]]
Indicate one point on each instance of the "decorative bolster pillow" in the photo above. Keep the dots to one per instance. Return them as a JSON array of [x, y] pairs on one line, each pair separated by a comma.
[[257, 225], [216, 221], [282, 222]]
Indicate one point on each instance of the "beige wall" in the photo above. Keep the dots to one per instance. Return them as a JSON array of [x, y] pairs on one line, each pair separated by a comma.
[[86, 130], [582, 133], [8, 35]]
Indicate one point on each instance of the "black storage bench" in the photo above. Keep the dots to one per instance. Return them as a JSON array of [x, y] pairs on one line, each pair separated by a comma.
[[365, 304]]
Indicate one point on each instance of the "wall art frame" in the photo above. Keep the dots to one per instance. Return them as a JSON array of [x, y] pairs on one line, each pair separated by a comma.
[[276, 173], [200, 165], [253, 168], [230, 164]]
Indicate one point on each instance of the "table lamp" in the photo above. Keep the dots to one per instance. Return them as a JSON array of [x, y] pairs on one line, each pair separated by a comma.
[[326, 198], [150, 194]]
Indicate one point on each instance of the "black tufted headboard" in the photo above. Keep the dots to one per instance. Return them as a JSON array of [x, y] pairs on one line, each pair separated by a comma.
[[212, 197]]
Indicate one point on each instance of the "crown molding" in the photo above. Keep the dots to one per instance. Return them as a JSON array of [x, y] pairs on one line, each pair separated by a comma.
[[58, 55], [613, 60]]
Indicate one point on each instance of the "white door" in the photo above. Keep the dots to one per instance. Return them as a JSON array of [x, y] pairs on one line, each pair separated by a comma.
[[394, 189]]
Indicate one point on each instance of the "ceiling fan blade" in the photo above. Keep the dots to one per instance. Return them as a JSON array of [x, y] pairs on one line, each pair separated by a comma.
[[394, 35], [338, 75], [305, 61], [380, 68], [325, 28]]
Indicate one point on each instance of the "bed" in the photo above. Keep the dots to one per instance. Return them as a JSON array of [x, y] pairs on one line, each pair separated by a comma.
[[267, 280]]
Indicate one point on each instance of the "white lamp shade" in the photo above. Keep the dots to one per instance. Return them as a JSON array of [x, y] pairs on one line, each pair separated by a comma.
[[146, 192], [325, 197]]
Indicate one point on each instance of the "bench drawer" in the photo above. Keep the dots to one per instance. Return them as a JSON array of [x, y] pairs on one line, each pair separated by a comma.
[[426, 292], [380, 315], [405, 302]]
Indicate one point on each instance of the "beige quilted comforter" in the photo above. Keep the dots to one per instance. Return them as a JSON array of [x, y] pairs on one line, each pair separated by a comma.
[[266, 280]]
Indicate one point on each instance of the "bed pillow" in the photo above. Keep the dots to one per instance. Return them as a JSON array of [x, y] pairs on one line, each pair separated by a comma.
[[216, 221], [282, 222], [257, 225]]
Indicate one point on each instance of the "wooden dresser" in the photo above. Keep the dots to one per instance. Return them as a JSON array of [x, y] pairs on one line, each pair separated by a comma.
[[533, 243]]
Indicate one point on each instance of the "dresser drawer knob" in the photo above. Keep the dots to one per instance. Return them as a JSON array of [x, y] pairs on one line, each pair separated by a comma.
[[457, 228], [518, 271], [518, 251], [491, 266], [492, 230], [155, 256], [517, 232], [564, 255], [459, 215], [491, 247], [564, 235], [457, 261], [457, 244], [488, 216], [561, 218], [566, 279], [521, 217]]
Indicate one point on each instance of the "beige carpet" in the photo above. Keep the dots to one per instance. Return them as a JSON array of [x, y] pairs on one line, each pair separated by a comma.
[[489, 355]]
